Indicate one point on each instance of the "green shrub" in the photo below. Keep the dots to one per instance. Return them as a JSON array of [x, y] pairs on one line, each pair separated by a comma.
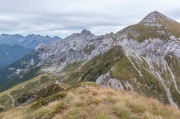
[[61, 106], [80, 104], [24, 97], [137, 108], [47, 100], [1, 109], [122, 112], [96, 101], [110, 100], [57, 96]]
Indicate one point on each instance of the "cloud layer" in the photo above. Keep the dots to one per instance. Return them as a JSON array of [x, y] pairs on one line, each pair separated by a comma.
[[63, 17]]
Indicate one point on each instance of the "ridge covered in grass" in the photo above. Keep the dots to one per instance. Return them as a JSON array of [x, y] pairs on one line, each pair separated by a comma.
[[90, 101]]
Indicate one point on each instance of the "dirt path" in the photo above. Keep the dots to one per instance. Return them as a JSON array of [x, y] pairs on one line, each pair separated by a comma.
[[12, 99]]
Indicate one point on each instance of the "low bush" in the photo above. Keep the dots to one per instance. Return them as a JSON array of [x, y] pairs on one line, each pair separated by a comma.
[[1, 109], [24, 97], [122, 112], [47, 100]]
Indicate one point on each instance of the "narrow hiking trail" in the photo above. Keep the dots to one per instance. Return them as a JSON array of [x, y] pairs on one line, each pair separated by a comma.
[[12, 99]]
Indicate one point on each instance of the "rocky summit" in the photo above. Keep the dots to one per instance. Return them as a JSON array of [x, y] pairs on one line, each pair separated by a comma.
[[154, 19]]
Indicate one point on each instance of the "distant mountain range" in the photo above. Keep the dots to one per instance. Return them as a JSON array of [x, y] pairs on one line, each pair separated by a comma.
[[13, 47], [9, 54], [143, 58], [30, 41]]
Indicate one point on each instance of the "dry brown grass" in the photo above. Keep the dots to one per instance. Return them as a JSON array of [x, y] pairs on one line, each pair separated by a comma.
[[89, 101]]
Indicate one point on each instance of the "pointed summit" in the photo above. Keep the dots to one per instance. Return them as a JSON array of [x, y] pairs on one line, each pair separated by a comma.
[[83, 35], [85, 32], [155, 19]]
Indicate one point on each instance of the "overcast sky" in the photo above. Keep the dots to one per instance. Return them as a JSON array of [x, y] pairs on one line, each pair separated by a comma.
[[64, 17]]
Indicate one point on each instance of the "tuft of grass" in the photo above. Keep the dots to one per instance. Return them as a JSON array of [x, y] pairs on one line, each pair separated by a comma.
[[80, 104], [96, 101], [110, 100], [122, 112], [47, 100], [61, 106], [137, 108], [41, 113], [101, 116], [74, 113]]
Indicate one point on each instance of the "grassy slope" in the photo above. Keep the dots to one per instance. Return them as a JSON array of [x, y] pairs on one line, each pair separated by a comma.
[[147, 85], [91, 70], [173, 62], [29, 87], [89, 101], [173, 27]]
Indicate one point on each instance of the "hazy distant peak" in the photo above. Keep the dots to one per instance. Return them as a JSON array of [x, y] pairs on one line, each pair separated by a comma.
[[56, 37]]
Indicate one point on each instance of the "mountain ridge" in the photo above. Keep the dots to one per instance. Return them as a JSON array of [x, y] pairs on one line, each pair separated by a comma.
[[140, 58], [29, 41]]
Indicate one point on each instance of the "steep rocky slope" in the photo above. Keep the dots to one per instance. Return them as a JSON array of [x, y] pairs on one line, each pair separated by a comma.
[[143, 58], [60, 53]]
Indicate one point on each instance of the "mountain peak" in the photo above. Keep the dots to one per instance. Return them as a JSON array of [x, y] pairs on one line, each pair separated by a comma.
[[85, 32], [155, 18], [83, 35]]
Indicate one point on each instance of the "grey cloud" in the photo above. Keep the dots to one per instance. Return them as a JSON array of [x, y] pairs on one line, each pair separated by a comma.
[[63, 17]]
